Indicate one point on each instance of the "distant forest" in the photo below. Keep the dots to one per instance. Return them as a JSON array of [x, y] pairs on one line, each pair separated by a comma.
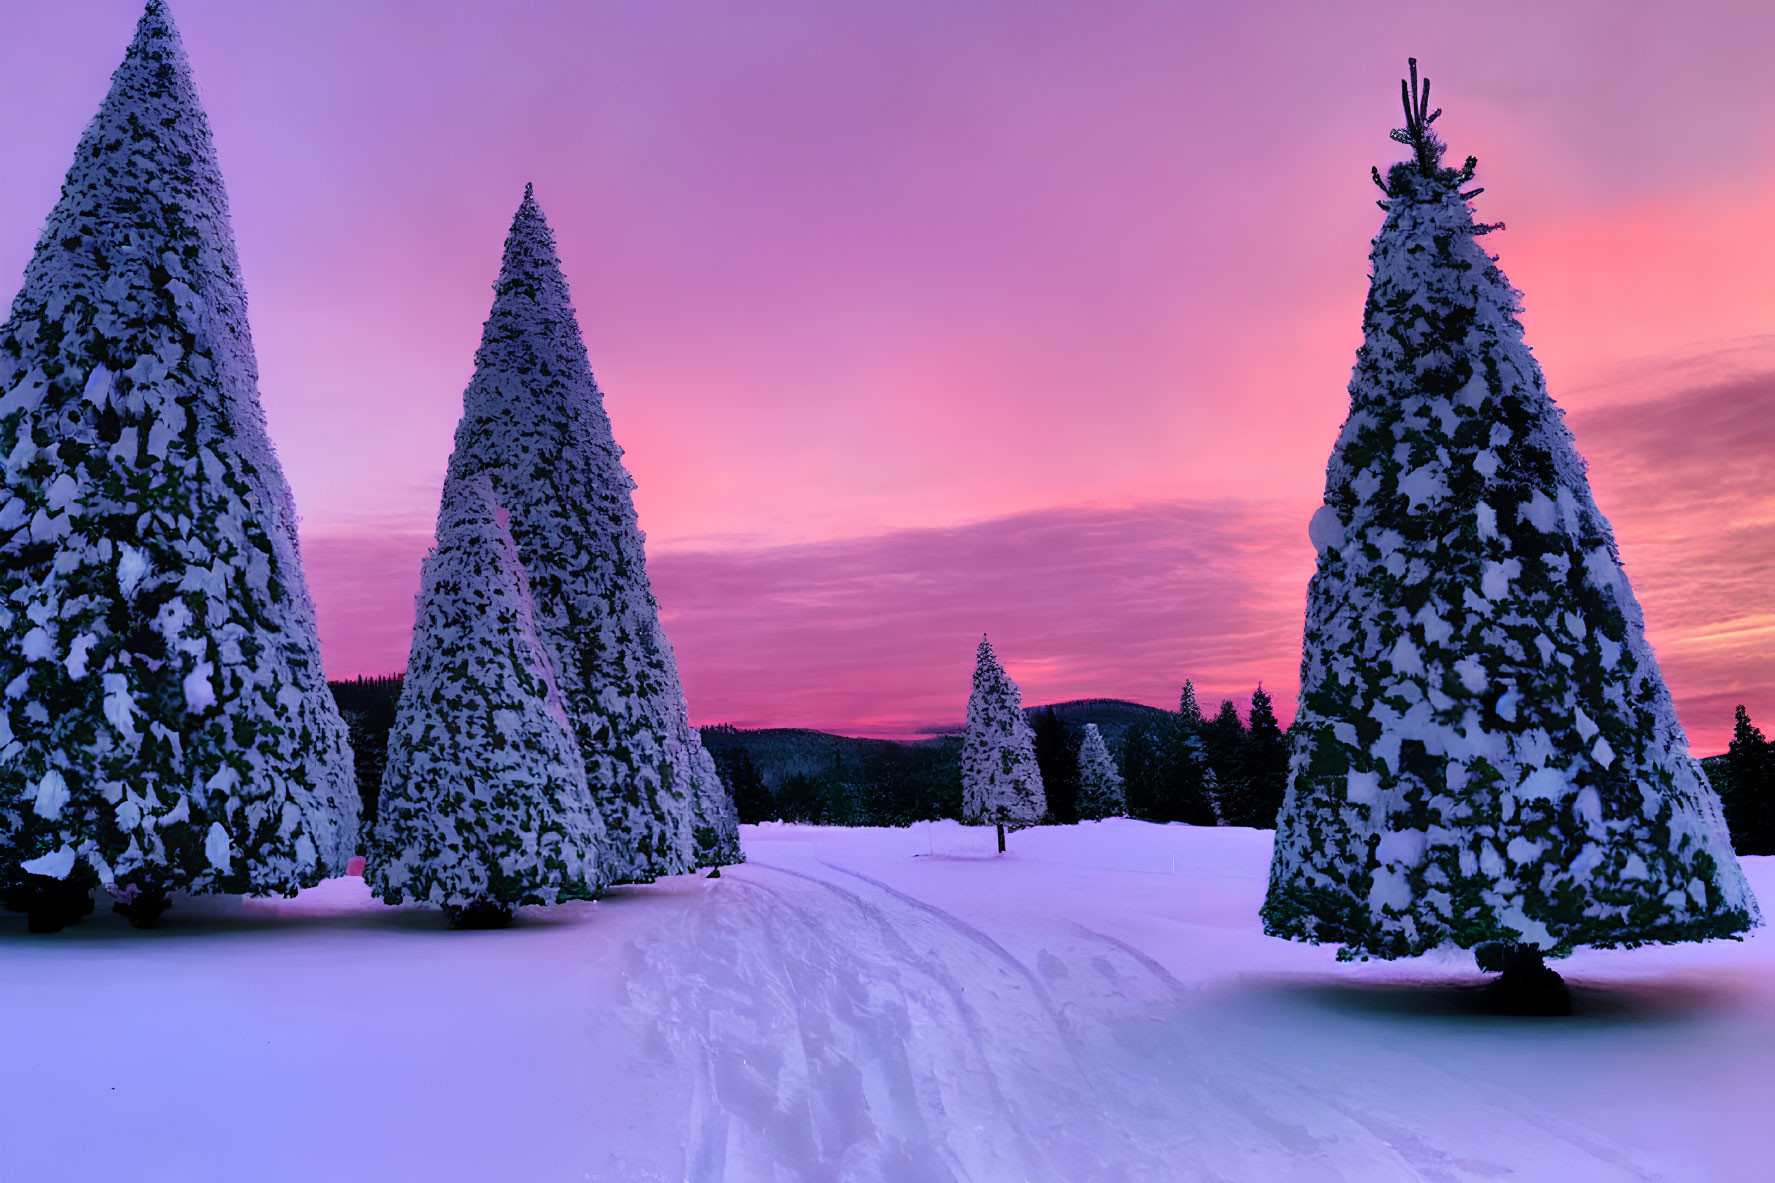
[[1224, 769], [368, 705], [1215, 771]]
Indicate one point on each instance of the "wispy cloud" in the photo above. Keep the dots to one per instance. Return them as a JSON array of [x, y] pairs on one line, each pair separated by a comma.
[[875, 634], [1683, 471]]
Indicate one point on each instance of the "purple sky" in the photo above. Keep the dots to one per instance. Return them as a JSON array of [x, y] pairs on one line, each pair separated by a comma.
[[919, 319]]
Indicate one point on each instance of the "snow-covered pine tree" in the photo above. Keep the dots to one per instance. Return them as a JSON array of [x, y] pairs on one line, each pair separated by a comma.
[[165, 724], [1001, 783], [484, 803], [1485, 754], [1100, 785], [534, 422]]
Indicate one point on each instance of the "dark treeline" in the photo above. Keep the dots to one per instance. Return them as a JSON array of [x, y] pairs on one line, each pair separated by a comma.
[[1179, 765], [1745, 780], [809, 776], [368, 705], [1224, 770]]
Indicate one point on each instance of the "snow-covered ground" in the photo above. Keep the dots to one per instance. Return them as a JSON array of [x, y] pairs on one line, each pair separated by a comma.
[[863, 1005]]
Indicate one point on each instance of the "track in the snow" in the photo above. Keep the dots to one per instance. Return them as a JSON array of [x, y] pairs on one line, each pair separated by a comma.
[[832, 1027]]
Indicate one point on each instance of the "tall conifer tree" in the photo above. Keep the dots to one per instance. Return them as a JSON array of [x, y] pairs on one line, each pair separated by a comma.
[[1100, 785], [1265, 761], [1180, 759], [1749, 789], [1485, 752], [1223, 742], [484, 803], [166, 724], [534, 422], [1189, 710], [1001, 782]]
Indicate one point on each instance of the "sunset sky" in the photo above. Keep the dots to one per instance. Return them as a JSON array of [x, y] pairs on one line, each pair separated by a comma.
[[926, 318]]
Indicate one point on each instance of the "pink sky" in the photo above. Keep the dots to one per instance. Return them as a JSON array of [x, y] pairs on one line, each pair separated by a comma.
[[923, 318]]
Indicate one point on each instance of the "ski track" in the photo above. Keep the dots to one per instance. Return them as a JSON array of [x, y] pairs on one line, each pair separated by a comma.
[[828, 1026]]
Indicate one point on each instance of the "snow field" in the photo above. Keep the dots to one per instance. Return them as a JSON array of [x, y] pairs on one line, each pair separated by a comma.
[[866, 1005]]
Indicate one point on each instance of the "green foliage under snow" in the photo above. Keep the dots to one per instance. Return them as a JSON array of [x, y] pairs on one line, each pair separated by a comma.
[[1100, 784], [165, 723], [1001, 783], [484, 797], [1485, 750], [535, 436]]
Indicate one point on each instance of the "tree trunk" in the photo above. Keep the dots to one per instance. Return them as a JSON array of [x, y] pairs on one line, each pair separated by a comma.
[[478, 914], [1001, 837], [50, 905], [1526, 986], [143, 909]]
